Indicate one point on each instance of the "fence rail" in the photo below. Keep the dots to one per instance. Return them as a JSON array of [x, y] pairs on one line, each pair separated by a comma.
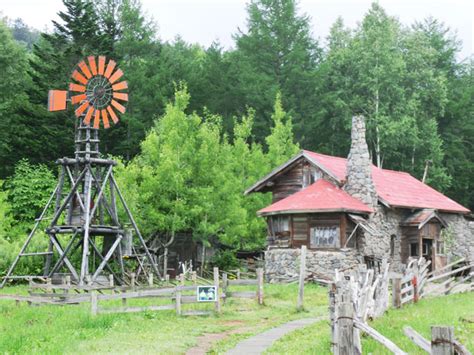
[[357, 296]]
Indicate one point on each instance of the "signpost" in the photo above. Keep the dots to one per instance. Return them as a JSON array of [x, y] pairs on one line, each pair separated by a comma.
[[206, 293]]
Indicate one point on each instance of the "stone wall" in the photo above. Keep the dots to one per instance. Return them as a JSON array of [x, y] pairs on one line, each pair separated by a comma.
[[282, 265], [463, 236], [387, 223]]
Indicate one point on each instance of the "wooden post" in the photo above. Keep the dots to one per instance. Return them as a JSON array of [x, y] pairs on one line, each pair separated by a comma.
[[345, 327], [224, 286], [300, 303], [68, 280], [238, 274], [124, 300], [442, 340], [396, 292], [167, 278], [178, 301], [94, 305], [260, 286], [150, 279], [414, 282], [216, 283], [132, 280], [181, 279], [111, 280], [194, 277], [332, 316]]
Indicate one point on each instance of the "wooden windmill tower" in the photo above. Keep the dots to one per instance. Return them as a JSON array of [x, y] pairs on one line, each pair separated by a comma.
[[86, 237]]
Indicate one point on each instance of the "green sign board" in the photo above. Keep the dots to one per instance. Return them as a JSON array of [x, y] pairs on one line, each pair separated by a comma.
[[206, 293]]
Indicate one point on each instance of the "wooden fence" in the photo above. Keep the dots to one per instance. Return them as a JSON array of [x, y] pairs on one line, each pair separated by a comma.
[[258, 282], [358, 295], [417, 282], [179, 295]]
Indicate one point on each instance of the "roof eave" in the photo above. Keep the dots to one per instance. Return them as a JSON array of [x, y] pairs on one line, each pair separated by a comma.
[[322, 167], [437, 209], [328, 210]]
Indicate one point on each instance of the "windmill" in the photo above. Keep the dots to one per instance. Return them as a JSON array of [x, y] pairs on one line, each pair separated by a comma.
[[86, 239]]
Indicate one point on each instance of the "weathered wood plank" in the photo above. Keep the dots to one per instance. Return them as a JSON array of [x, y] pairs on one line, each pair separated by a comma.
[[452, 272], [138, 294], [417, 339], [136, 309], [242, 294], [196, 313], [242, 282], [460, 348], [438, 271], [379, 338]]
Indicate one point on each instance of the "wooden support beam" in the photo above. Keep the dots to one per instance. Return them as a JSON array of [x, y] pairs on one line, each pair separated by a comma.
[[87, 217], [132, 220], [58, 247], [107, 257], [30, 236], [59, 263]]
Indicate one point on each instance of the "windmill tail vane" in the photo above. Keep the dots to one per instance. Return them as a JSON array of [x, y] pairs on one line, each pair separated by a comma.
[[95, 90]]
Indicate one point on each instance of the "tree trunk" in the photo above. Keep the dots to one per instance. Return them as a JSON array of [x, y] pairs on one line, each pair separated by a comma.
[[165, 255], [377, 131], [203, 259]]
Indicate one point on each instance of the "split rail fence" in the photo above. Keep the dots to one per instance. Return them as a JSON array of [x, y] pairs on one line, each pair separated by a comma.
[[258, 283], [178, 296], [359, 295], [417, 282]]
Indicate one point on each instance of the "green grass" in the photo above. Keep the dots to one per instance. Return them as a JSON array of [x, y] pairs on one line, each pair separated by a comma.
[[456, 310], [71, 329]]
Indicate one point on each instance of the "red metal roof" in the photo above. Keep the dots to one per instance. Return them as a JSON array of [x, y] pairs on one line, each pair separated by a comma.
[[398, 189], [322, 196]]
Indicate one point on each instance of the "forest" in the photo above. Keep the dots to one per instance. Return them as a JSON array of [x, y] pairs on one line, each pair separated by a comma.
[[203, 124]]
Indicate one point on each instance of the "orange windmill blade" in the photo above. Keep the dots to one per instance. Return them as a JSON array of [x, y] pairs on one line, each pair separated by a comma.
[[94, 89]]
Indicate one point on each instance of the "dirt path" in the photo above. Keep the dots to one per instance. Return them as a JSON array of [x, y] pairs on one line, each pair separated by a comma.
[[205, 341]]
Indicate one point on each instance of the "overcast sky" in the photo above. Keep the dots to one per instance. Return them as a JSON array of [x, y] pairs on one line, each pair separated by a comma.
[[204, 21]]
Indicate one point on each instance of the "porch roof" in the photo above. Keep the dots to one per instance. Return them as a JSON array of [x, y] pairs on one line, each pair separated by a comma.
[[420, 218], [322, 196]]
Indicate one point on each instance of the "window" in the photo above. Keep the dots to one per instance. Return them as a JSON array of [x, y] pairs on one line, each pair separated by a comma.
[[325, 237], [414, 249], [281, 224], [393, 237], [440, 247]]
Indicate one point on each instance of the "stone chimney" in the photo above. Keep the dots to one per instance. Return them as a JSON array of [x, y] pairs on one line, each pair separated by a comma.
[[359, 181]]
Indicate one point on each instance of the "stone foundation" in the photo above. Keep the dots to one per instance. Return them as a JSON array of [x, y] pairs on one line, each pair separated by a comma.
[[282, 265]]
